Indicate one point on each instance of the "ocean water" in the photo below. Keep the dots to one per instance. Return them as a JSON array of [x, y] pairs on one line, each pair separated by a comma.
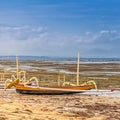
[[49, 58]]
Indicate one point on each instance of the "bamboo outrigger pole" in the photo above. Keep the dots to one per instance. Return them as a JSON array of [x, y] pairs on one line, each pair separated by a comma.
[[17, 72], [78, 67]]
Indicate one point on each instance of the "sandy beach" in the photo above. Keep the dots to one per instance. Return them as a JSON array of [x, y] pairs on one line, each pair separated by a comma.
[[87, 106], [14, 106]]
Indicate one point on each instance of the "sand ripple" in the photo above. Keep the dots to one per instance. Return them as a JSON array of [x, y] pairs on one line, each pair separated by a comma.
[[15, 106]]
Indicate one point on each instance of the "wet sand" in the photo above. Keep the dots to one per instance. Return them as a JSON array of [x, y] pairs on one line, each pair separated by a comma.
[[15, 106], [105, 74]]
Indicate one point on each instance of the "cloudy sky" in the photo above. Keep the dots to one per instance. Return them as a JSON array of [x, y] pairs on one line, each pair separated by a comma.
[[60, 27]]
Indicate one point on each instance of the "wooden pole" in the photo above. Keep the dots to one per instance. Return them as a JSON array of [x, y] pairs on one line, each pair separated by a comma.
[[59, 80], [17, 67], [64, 78], [78, 67]]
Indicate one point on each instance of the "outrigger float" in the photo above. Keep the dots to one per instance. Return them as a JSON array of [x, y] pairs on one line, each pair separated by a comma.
[[66, 88]]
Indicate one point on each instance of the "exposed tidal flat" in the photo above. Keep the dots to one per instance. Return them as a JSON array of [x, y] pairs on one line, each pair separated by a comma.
[[106, 74], [87, 106]]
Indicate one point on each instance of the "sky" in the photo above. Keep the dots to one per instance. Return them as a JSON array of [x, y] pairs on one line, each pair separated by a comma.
[[60, 28]]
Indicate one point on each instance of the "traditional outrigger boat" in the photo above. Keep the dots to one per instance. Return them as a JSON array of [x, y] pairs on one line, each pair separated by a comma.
[[30, 88]]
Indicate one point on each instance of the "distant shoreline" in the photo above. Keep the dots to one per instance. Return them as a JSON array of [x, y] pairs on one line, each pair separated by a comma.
[[49, 58]]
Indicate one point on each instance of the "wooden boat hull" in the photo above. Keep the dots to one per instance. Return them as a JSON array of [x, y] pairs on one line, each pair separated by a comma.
[[52, 90]]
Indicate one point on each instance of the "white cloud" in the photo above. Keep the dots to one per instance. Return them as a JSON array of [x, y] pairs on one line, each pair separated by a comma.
[[26, 40], [104, 31], [19, 39]]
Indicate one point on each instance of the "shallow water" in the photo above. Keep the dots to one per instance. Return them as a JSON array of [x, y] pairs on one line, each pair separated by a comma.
[[108, 93]]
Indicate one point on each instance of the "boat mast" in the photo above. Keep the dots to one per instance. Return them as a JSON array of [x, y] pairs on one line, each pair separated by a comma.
[[78, 67], [17, 67]]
